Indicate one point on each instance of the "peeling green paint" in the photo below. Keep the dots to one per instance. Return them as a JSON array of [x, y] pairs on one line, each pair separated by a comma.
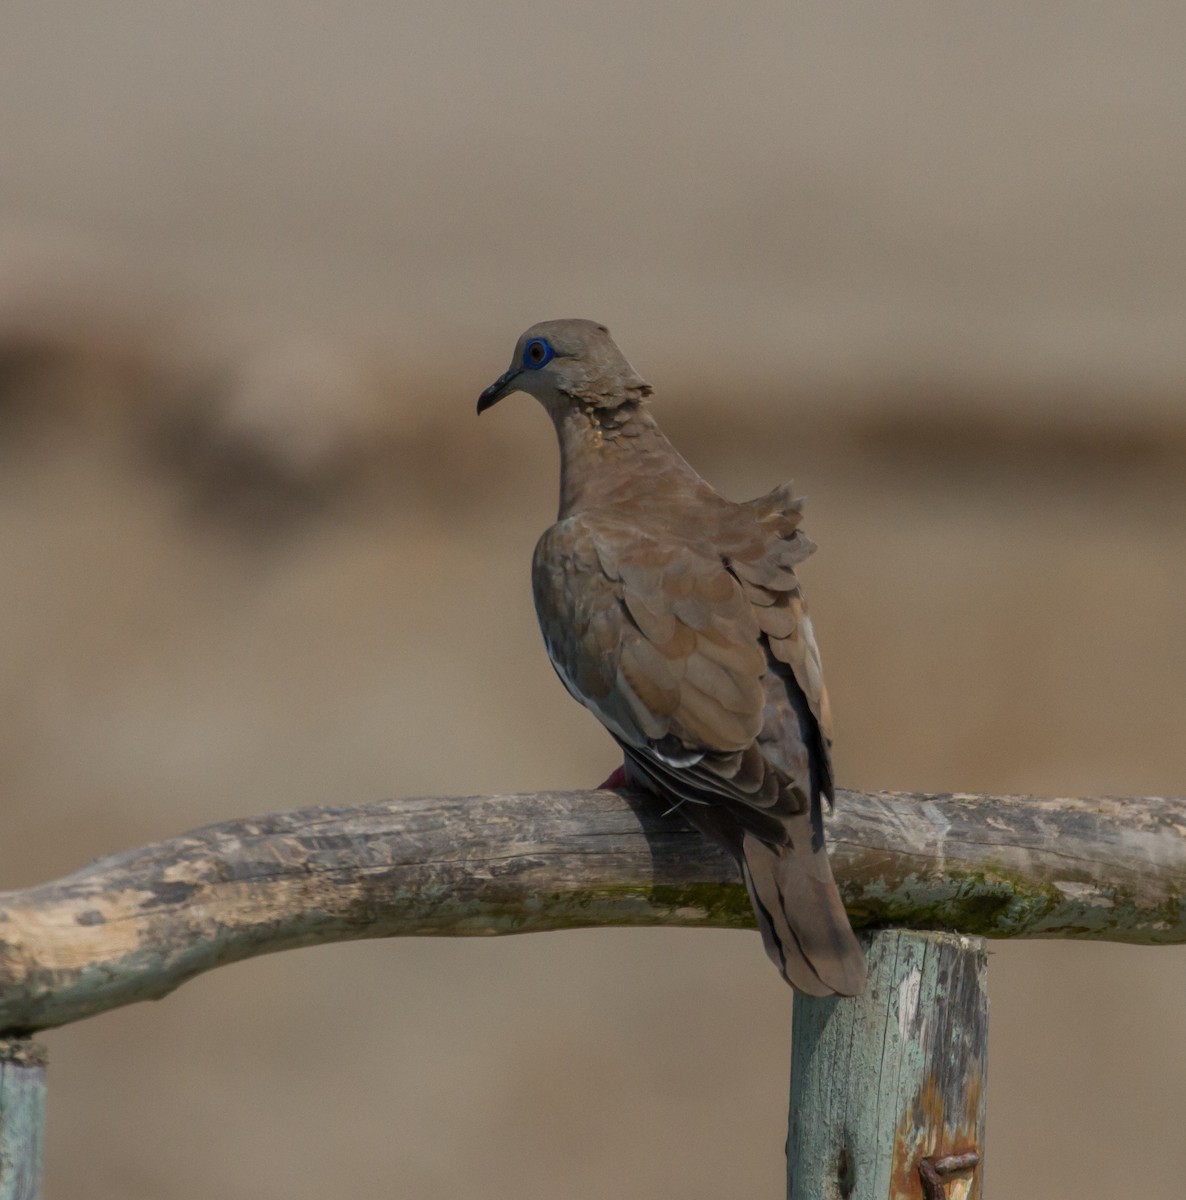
[[22, 1118], [881, 1081]]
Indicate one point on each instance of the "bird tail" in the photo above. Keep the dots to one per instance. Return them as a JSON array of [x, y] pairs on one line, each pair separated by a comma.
[[801, 917]]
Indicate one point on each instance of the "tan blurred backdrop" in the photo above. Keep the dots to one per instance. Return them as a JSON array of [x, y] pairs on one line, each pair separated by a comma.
[[255, 264]]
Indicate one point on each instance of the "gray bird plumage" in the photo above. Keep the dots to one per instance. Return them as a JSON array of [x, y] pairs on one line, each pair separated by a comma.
[[676, 617]]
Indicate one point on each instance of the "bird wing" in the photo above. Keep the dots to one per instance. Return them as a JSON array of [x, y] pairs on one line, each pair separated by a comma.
[[699, 656]]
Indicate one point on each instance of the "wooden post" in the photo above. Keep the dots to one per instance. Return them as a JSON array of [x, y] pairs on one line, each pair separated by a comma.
[[22, 1118], [888, 1090]]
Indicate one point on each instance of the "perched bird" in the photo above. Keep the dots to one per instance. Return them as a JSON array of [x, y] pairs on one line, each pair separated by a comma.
[[675, 616]]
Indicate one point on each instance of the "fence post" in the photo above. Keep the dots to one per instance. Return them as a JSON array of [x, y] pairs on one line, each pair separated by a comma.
[[888, 1090], [22, 1118]]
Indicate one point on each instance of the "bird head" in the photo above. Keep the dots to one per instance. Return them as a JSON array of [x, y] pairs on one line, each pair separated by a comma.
[[562, 363]]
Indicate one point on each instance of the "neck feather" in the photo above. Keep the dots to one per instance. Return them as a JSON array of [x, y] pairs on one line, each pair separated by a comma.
[[612, 456]]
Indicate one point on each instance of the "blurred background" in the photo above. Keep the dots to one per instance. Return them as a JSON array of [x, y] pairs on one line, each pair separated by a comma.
[[256, 262]]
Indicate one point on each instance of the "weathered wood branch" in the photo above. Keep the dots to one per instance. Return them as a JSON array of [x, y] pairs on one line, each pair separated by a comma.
[[136, 925]]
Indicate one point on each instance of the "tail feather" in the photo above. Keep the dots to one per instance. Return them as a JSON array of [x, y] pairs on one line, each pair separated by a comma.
[[801, 918]]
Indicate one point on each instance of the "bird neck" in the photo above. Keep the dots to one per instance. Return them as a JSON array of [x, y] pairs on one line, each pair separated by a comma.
[[611, 456]]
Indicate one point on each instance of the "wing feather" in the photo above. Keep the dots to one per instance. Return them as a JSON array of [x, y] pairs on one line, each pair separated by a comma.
[[669, 641]]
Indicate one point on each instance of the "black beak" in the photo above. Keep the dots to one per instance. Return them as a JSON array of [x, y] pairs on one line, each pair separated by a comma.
[[499, 388]]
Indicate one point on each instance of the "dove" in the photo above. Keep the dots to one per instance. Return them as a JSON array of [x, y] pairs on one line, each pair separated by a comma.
[[675, 616]]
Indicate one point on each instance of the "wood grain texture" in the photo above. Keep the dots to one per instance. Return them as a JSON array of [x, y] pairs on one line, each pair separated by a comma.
[[136, 925], [22, 1118], [888, 1090]]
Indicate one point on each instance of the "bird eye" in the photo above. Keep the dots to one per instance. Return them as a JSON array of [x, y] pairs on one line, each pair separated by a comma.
[[536, 353]]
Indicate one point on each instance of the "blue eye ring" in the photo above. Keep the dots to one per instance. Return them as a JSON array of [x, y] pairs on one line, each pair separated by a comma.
[[537, 353]]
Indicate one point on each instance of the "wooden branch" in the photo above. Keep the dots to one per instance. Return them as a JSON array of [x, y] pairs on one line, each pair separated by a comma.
[[136, 925]]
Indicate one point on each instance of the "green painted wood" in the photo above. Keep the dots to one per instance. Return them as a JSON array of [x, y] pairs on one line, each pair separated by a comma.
[[888, 1089], [22, 1118], [136, 925]]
